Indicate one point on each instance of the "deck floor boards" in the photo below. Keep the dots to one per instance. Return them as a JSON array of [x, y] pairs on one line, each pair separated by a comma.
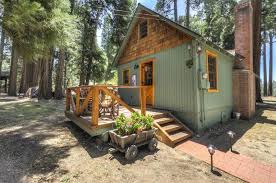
[[106, 122]]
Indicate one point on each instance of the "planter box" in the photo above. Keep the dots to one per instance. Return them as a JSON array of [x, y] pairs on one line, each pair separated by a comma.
[[125, 141]]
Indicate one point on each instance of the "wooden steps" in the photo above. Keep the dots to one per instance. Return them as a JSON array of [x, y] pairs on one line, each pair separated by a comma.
[[170, 130]]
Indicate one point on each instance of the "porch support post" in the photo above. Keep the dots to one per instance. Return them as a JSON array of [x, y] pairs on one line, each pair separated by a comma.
[[143, 100], [95, 107], [78, 101]]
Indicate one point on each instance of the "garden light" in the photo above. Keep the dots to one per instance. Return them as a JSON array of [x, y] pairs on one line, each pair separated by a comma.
[[211, 150], [231, 135]]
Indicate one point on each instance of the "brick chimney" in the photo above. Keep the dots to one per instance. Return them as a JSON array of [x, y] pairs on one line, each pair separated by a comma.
[[243, 75]]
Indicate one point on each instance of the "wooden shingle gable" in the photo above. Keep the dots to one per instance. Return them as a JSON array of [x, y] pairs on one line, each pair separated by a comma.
[[162, 34], [159, 36]]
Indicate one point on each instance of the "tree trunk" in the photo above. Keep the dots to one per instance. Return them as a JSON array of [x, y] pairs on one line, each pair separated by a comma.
[[13, 72], [175, 11], [23, 78], [35, 76], [188, 4], [44, 77], [2, 42], [65, 83], [82, 64], [88, 72], [265, 72], [257, 7], [59, 76], [270, 87], [50, 76], [29, 77]]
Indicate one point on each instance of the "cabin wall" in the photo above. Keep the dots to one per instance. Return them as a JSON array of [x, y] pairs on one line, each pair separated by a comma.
[[174, 83], [217, 106]]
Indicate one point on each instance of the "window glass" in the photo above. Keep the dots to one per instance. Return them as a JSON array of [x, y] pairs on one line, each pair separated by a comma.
[[126, 77], [212, 71], [143, 32]]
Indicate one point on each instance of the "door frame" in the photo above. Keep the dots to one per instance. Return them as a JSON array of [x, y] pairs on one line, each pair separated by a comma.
[[153, 77]]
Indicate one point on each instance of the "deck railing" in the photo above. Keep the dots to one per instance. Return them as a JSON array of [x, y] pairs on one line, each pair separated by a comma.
[[79, 103]]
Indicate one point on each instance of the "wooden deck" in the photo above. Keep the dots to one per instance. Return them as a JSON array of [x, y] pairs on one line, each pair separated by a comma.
[[85, 107], [106, 123]]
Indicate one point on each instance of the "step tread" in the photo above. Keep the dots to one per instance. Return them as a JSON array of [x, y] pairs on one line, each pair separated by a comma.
[[172, 127], [158, 116], [179, 136], [164, 120]]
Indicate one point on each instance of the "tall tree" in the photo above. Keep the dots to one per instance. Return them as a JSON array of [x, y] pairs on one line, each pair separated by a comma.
[[114, 31], [264, 64], [212, 15], [2, 42], [269, 19], [270, 82], [59, 76], [257, 8], [188, 6], [175, 10], [164, 7], [13, 72]]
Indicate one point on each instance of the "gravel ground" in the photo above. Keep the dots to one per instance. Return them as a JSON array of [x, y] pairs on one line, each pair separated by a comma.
[[37, 144]]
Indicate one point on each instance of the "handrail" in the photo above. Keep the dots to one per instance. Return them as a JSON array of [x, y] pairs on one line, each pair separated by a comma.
[[111, 86], [93, 92]]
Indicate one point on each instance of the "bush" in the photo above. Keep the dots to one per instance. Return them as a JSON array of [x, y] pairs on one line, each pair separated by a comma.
[[135, 124]]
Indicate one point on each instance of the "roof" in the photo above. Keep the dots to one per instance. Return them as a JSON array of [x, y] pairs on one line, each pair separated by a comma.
[[176, 25]]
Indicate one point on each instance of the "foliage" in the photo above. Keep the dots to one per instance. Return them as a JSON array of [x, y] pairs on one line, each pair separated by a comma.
[[134, 124], [216, 13], [164, 7], [114, 30]]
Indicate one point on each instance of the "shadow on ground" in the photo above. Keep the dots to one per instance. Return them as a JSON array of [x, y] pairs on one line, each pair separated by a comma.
[[96, 148], [27, 148], [218, 134]]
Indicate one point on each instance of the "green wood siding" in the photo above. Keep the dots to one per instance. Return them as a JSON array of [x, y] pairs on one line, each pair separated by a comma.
[[174, 83], [176, 87], [217, 105]]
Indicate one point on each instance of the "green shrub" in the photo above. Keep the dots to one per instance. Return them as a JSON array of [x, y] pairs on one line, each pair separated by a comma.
[[134, 124]]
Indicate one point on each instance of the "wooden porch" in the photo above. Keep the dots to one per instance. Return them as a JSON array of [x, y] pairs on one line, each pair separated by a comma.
[[95, 108]]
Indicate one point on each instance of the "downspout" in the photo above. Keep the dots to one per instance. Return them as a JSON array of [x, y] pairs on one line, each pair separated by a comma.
[[201, 91]]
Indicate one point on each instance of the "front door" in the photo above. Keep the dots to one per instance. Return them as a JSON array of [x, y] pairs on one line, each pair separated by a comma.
[[146, 79]]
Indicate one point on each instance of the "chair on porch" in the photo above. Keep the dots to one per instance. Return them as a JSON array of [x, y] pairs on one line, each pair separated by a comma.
[[108, 105]]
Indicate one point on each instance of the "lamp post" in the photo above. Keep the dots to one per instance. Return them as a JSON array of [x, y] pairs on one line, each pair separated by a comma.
[[231, 135], [211, 150]]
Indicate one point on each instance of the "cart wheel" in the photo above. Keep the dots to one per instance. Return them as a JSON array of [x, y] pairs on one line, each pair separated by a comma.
[[131, 152], [153, 144]]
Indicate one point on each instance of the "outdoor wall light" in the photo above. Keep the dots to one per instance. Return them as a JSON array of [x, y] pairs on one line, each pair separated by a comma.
[[136, 66], [231, 135], [211, 150], [199, 49]]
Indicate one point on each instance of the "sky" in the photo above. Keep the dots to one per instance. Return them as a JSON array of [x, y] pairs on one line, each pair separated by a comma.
[[181, 10]]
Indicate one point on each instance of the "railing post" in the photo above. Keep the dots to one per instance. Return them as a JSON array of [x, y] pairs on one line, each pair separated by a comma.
[[95, 107], [68, 99], [78, 101], [143, 100]]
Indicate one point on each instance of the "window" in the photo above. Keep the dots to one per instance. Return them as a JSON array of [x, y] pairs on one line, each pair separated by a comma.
[[212, 72], [143, 29], [126, 77]]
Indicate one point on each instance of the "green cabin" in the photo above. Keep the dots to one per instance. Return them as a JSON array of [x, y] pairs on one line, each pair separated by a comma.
[[186, 74]]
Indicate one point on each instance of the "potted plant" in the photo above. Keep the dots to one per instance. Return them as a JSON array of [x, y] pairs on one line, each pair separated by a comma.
[[130, 133]]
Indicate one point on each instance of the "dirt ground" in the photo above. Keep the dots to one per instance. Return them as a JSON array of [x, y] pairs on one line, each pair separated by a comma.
[[37, 144], [255, 138]]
